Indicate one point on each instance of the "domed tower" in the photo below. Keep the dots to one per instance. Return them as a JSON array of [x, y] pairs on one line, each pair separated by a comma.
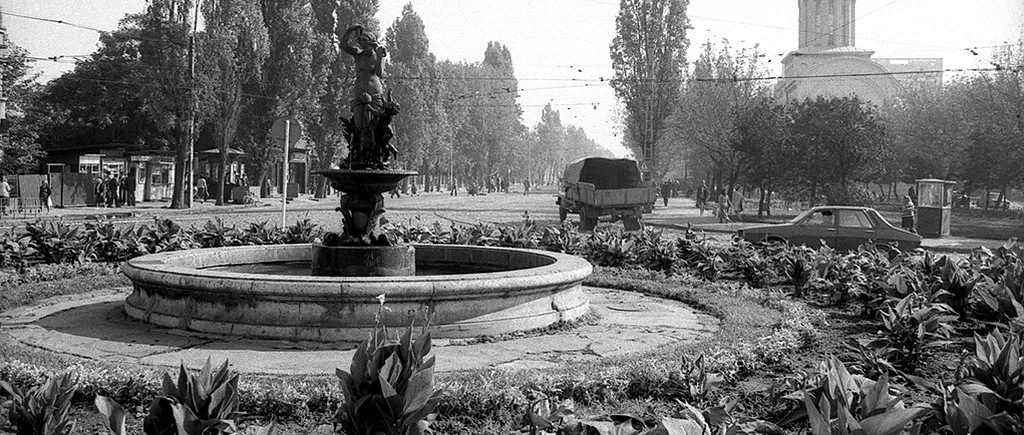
[[827, 24], [827, 63]]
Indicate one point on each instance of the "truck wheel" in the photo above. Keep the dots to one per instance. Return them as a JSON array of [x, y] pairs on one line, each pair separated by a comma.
[[562, 214], [632, 223]]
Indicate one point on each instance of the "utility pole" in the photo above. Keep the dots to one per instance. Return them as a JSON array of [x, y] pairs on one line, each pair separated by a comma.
[[189, 168]]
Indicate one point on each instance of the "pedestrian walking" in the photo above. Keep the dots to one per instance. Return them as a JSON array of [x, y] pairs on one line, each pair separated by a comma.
[[723, 207], [526, 186], [702, 196], [666, 190], [202, 190], [44, 197], [737, 201]]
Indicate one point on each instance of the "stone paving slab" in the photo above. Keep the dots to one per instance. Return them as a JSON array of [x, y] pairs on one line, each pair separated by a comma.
[[94, 326]]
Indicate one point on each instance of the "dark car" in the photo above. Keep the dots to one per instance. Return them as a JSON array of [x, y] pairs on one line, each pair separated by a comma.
[[843, 228]]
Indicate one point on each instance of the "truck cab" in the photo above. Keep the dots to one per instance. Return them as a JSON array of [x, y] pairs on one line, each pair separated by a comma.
[[597, 186]]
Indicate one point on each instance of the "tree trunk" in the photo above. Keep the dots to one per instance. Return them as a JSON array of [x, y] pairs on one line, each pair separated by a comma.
[[760, 203], [179, 191], [814, 194], [221, 182]]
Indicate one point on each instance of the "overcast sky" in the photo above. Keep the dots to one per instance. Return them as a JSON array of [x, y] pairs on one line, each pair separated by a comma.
[[560, 47]]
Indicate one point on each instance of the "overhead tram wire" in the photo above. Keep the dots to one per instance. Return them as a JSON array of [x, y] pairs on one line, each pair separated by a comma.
[[101, 31]]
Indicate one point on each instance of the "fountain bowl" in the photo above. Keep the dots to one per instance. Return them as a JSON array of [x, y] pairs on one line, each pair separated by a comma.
[[463, 291], [365, 180]]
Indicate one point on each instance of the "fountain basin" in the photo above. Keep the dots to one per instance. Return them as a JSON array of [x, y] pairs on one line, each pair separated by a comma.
[[202, 290]]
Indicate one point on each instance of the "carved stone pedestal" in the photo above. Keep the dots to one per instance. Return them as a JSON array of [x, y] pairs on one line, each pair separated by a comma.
[[363, 260]]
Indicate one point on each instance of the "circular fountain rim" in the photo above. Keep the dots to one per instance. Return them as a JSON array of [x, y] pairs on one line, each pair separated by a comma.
[[193, 265], [171, 291]]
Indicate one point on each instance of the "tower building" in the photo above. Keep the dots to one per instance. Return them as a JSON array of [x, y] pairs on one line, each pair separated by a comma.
[[828, 63]]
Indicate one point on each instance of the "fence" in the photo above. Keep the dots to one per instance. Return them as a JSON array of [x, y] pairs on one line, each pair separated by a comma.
[[20, 207]]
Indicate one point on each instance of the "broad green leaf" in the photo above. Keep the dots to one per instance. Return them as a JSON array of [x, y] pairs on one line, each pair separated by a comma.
[[891, 422], [676, 426], [114, 415]]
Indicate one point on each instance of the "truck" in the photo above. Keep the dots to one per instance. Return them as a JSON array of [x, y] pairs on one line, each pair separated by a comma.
[[597, 186]]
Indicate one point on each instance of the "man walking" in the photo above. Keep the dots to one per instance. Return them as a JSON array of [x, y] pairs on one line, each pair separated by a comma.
[[702, 196]]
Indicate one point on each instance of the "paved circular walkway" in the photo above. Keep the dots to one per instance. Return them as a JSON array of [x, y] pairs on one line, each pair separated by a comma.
[[94, 326]]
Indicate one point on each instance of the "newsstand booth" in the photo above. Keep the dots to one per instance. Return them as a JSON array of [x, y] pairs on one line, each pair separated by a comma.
[[934, 207]]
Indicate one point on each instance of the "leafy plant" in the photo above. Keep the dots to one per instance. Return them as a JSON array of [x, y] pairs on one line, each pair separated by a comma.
[[389, 388], [997, 372], [43, 409], [304, 231], [201, 404], [609, 247], [694, 381], [57, 242], [911, 329], [841, 403]]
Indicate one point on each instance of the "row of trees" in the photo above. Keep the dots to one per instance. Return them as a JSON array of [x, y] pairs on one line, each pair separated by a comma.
[[257, 61], [717, 119], [733, 132]]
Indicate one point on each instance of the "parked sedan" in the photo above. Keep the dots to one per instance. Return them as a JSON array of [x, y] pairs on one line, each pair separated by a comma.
[[843, 228]]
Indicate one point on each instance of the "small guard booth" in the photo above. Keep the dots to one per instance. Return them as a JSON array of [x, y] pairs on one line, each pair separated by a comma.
[[934, 206]]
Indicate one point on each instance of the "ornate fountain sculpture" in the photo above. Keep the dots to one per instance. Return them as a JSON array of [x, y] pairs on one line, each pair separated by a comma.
[[362, 249]]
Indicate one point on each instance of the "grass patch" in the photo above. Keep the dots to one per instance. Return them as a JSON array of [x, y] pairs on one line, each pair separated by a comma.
[[28, 294]]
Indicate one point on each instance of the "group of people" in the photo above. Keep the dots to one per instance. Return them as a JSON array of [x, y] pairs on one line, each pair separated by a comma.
[[724, 205], [45, 191], [114, 190]]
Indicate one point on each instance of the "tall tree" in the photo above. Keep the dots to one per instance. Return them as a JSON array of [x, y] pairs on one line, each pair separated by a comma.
[[836, 141], [287, 85], [993, 106], [649, 58], [763, 141], [19, 148], [95, 103], [494, 115], [235, 46], [411, 73], [163, 33], [703, 126]]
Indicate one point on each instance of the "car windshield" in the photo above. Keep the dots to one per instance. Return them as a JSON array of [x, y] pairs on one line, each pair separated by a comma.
[[799, 217]]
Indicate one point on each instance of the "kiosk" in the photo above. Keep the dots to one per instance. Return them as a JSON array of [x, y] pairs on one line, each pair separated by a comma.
[[934, 206]]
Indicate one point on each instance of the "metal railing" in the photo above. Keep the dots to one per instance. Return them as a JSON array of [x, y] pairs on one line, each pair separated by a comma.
[[20, 207]]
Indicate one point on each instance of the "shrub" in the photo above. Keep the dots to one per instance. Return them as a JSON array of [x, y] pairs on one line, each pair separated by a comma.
[[997, 372], [836, 402], [43, 410], [389, 388], [911, 329], [197, 404]]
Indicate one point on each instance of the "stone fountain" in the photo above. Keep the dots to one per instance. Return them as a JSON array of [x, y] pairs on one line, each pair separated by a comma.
[[328, 291]]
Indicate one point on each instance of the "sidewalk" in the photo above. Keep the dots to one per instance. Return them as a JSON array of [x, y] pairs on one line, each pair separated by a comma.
[[161, 208], [682, 213]]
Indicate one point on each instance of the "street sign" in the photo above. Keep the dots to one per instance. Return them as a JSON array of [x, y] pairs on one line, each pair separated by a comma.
[[294, 130]]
